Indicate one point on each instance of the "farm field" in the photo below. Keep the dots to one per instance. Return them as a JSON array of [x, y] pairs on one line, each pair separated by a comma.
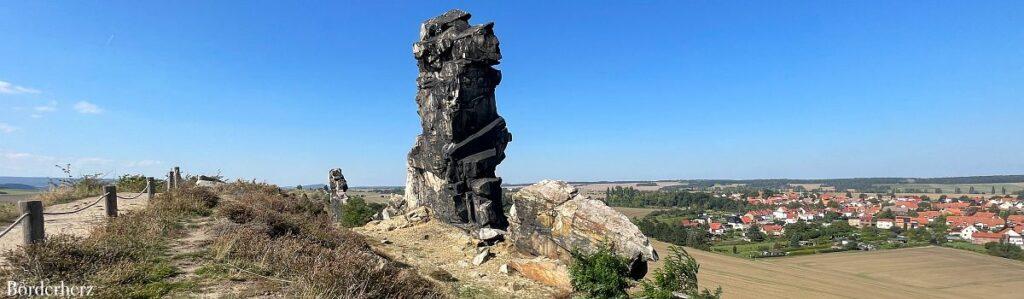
[[635, 212], [14, 195], [921, 272], [370, 196]]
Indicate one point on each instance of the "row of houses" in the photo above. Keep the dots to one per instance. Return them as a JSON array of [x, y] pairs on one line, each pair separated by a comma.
[[969, 220]]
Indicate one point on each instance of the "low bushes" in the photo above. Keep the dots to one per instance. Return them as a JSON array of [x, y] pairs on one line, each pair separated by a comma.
[[137, 183], [357, 212], [8, 212], [71, 191], [679, 275], [601, 274], [292, 239]]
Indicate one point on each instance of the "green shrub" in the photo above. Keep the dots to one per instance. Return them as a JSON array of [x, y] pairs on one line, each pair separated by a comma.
[[1004, 250], [679, 275], [137, 183], [357, 212], [601, 274]]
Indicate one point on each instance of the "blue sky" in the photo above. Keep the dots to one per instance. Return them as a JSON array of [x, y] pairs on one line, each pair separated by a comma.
[[282, 91]]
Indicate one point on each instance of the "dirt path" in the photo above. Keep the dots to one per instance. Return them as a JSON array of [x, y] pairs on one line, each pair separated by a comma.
[[78, 224]]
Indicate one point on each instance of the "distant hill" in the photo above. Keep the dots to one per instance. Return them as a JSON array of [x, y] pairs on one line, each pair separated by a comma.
[[863, 184], [18, 186], [34, 182]]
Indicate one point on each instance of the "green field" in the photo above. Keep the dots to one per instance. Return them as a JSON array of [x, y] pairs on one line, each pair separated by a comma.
[[16, 192], [967, 246], [746, 250]]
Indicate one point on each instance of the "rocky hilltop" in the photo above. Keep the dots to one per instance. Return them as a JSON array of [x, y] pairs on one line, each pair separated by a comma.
[[450, 220]]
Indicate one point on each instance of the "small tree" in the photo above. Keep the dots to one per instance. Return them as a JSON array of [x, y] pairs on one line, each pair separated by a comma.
[[794, 241], [357, 212], [601, 274], [679, 275], [754, 234]]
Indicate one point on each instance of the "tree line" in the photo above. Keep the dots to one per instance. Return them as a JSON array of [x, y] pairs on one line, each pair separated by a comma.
[[631, 197]]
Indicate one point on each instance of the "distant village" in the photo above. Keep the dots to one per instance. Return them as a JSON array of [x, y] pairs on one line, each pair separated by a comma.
[[974, 219]]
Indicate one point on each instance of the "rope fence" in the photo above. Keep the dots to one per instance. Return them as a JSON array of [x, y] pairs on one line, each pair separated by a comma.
[[9, 228], [136, 196], [31, 218], [79, 209]]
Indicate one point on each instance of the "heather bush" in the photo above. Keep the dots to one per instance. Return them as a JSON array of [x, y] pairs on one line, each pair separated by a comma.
[[290, 238], [677, 276], [601, 274]]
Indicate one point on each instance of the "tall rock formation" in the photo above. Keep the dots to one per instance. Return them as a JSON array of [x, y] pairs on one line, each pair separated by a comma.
[[451, 166]]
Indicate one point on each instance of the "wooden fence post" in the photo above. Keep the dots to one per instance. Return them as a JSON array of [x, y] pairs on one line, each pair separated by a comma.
[[33, 224], [111, 200], [170, 181], [177, 177], [150, 188]]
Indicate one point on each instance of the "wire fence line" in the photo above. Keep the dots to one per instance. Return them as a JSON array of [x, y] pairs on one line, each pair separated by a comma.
[[16, 221]]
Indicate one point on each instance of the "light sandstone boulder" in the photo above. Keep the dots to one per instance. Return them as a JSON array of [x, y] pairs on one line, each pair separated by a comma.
[[543, 270], [551, 219]]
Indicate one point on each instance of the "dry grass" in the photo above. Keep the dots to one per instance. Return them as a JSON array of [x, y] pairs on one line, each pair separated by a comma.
[[8, 212], [291, 239], [262, 231], [69, 191], [923, 272], [127, 256]]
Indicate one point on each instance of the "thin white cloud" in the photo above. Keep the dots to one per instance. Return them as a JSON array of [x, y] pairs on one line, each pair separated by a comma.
[[92, 161], [39, 111], [6, 128], [8, 88], [13, 156], [143, 163], [50, 107], [84, 107]]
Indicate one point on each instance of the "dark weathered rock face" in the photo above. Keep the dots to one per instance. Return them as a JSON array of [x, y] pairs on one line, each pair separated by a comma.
[[551, 219], [451, 166], [336, 188]]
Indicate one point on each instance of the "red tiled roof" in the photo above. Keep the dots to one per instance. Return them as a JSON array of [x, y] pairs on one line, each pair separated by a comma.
[[984, 215], [986, 235], [771, 228]]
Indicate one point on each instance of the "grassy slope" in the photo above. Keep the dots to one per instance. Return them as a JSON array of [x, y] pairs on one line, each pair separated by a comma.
[[260, 232]]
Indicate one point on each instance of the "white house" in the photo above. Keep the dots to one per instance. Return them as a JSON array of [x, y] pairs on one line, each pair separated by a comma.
[[1012, 237], [884, 223], [967, 232], [780, 213]]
